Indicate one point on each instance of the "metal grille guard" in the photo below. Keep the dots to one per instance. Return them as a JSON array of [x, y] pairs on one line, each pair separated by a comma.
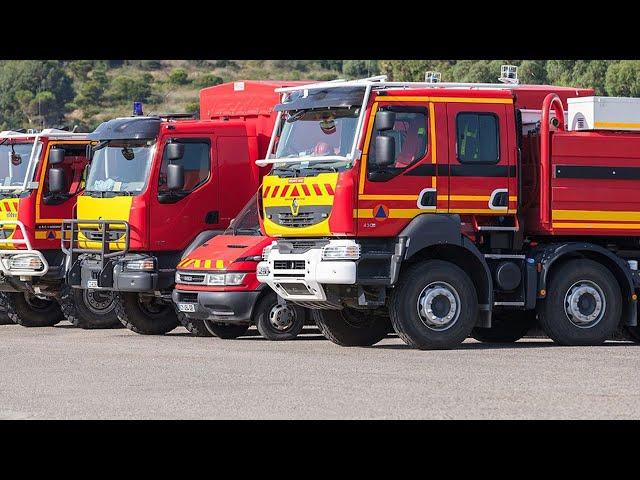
[[6, 254], [71, 229]]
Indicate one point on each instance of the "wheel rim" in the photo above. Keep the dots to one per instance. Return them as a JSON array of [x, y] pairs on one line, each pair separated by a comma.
[[438, 306], [37, 303], [282, 317], [585, 304], [97, 301], [153, 307]]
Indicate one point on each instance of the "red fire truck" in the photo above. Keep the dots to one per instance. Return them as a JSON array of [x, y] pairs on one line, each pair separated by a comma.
[[217, 291], [159, 186], [42, 176], [453, 210]]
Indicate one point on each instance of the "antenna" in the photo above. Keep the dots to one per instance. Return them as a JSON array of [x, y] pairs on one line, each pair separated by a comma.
[[432, 77], [509, 74]]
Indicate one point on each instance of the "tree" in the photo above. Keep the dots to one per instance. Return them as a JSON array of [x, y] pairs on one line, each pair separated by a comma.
[[207, 80], [360, 68], [178, 76], [38, 78], [130, 89], [623, 79]]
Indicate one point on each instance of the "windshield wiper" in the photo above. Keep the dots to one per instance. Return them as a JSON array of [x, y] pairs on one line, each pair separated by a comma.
[[296, 116]]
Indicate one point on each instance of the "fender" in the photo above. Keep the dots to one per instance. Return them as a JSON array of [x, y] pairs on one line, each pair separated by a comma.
[[428, 230], [199, 240], [549, 254]]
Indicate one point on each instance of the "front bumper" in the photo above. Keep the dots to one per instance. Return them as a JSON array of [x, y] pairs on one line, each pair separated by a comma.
[[9, 254], [226, 307], [304, 282], [89, 273]]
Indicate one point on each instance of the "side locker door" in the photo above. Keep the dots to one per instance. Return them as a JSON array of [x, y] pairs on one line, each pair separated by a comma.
[[479, 158]]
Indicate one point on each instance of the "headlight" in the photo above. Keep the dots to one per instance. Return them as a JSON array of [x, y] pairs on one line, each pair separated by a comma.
[[349, 251], [137, 265], [221, 279], [25, 262]]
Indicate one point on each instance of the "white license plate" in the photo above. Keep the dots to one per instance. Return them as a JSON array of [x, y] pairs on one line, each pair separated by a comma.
[[92, 284], [186, 307]]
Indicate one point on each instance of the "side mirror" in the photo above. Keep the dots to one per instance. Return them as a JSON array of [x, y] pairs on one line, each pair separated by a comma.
[[385, 120], [385, 151], [175, 151], [175, 176], [56, 156], [57, 180]]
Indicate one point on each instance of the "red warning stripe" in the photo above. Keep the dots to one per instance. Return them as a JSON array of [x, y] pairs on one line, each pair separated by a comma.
[[305, 189], [275, 191], [316, 188], [266, 191], [329, 189], [284, 190], [294, 192]]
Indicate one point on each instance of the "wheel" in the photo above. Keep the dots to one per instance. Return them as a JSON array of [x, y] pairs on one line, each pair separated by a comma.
[[278, 322], [351, 328], [89, 309], [506, 327], [195, 326], [434, 305], [145, 315], [30, 311], [583, 306], [226, 331]]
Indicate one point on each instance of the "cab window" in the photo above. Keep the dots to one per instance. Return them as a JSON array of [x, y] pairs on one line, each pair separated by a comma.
[[74, 168], [196, 163], [410, 132], [477, 138]]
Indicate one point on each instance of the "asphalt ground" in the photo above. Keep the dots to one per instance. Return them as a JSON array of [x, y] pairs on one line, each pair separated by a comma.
[[68, 373]]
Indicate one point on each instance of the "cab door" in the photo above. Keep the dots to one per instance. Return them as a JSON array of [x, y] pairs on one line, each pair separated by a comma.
[[52, 208], [176, 218], [390, 196], [481, 168]]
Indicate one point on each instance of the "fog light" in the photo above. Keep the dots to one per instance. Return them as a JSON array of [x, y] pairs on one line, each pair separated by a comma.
[[138, 265], [263, 269], [25, 262]]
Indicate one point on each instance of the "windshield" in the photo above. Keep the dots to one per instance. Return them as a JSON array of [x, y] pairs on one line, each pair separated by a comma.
[[327, 132], [121, 167], [246, 222], [14, 163]]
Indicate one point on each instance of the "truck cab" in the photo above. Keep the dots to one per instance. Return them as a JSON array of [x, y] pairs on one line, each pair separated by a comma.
[[41, 178], [159, 186]]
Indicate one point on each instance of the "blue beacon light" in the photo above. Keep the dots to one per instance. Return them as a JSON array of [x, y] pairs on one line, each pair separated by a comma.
[[137, 109]]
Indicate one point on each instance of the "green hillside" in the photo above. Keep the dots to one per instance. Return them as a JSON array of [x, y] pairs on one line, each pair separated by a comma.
[[82, 93]]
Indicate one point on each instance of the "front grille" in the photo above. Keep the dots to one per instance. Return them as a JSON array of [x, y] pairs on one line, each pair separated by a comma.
[[297, 221], [196, 278], [97, 235], [288, 264], [188, 297]]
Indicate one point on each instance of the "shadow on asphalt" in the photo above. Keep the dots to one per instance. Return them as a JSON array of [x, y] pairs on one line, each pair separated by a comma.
[[501, 346]]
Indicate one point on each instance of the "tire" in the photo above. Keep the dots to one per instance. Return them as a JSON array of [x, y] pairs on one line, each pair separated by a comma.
[[585, 281], [443, 287], [278, 323], [506, 327], [4, 318], [226, 331], [195, 326], [30, 311], [83, 308], [152, 318], [351, 328]]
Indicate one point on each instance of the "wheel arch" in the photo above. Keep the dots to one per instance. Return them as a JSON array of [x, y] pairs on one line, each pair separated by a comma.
[[553, 256], [431, 236]]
